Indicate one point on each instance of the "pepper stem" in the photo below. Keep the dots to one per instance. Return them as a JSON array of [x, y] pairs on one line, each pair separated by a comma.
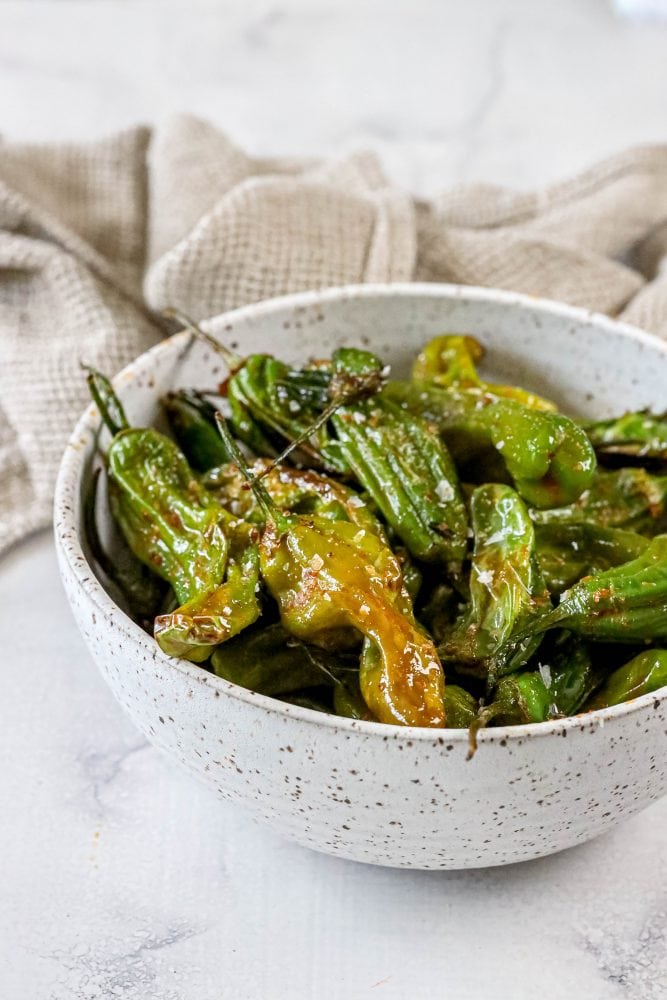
[[108, 403], [481, 721], [233, 359], [261, 493], [326, 413]]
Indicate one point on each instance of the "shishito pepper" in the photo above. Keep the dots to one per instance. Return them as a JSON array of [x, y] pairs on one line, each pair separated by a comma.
[[624, 604], [566, 552], [644, 674], [451, 360], [555, 690], [332, 411], [191, 419], [179, 530], [170, 522], [639, 436], [329, 575], [396, 457], [271, 661], [547, 455], [192, 630], [401, 462], [552, 691], [506, 587], [139, 588], [628, 498], [299, 491]]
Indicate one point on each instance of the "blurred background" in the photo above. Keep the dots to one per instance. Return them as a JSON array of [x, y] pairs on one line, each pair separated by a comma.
[[518, 92]]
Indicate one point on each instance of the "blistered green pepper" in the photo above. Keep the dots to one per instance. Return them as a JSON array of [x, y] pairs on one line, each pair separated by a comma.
[[191, 419], [566, 552], [402, 464], [262, 391], [640, 435], [178, 529], [506, 587], [451, 360], [298, 491], [624, 604], [549, 458], [271, 661], [329, 575], [625, 498], [644, 674], [206, 620], [553, 691], [170, 522], [138, 587]]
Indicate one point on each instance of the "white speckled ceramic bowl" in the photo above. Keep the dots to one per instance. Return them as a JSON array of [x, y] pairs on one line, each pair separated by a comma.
[[375, 793]]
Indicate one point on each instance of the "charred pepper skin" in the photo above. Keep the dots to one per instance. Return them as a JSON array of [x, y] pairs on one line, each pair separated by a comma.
[[624, 604], [506, 588], [643, 674]]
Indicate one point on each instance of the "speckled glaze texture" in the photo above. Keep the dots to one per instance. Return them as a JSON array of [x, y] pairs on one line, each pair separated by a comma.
[[374, 793]]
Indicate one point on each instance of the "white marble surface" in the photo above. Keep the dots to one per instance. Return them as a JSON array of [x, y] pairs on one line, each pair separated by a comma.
[[119, 877]]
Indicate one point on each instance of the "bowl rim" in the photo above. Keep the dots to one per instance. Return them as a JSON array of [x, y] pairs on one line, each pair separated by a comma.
[[75, 563]]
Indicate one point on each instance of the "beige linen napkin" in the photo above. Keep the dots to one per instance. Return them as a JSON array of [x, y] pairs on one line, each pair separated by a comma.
[[94, 239]]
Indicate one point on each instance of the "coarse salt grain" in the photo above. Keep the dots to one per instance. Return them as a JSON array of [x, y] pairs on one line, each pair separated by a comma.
[[445, 491], [545, 673]]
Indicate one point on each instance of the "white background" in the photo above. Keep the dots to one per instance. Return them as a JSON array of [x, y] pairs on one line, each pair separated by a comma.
[[119, 877]]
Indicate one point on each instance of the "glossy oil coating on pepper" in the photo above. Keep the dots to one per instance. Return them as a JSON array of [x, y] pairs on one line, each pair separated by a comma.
[[328, 576], [370, 530], [547, 455], [637, 436], [629, 498], [325, 578], [625, 604], [506, 587], [451, 360], [643, 674]]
